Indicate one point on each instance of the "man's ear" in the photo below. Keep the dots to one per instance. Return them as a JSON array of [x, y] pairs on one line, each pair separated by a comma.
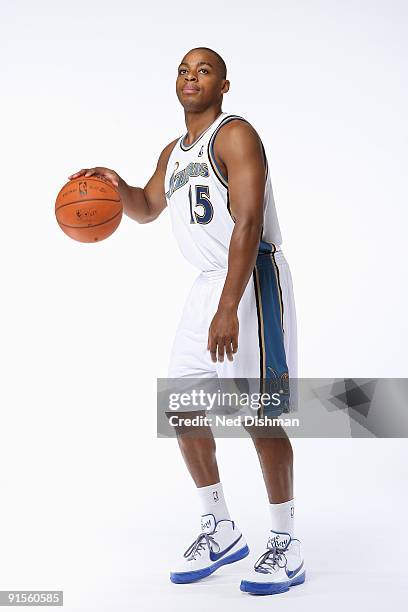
[[225, 87]]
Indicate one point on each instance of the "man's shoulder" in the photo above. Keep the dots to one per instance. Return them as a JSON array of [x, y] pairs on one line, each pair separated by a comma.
[[236, 131], [166, 152], [169, 148]]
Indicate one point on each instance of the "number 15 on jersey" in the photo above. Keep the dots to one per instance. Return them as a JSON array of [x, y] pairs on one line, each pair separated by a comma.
[[201, 209]]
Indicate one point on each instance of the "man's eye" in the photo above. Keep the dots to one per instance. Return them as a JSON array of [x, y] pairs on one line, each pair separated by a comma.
[[182, 70], [204, 70]]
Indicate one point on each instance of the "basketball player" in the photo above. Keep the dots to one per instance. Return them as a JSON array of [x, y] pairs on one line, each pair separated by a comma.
[[239, 319]]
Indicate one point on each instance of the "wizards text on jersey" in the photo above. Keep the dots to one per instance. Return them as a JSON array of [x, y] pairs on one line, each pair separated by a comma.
[[181, 178]]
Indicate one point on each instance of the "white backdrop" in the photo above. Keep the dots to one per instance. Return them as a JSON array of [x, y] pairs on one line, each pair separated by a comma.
[[90, 501]]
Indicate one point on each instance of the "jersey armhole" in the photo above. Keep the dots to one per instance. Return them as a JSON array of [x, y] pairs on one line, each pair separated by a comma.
[[211, 156]]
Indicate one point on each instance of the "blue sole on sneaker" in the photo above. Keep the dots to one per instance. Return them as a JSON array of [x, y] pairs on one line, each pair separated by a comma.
[[186, 577], [270, 588]]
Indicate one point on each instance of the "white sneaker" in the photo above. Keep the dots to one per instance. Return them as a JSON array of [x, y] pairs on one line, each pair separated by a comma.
[[280, 567], [218, 544]]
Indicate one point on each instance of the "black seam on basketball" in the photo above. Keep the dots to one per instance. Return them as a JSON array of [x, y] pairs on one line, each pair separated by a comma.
[[87, 200], [89, 226]]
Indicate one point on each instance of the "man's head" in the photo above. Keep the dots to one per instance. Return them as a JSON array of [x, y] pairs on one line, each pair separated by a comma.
[[201, 80]]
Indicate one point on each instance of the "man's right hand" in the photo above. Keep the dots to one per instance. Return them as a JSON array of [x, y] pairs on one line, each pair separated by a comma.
[[141, 204], [112, 176]]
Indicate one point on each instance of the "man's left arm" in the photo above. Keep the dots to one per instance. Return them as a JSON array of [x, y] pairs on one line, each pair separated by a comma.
[[239, 149]]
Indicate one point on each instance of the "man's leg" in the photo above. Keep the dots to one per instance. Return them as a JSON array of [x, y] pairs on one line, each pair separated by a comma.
[[198, 448], [199, 453], [220, 542], [276, 459], [280, 566]]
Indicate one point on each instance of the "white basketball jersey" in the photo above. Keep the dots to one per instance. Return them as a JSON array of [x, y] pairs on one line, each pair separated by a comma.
[[197, 196]]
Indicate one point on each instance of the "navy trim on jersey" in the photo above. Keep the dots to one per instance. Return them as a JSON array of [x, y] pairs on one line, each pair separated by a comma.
[[190, 146], [211, 156], [265, 161], [217, 170], [229, 207]]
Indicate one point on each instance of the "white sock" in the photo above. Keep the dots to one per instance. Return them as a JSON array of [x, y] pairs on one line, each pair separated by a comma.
[[213, 501], [282, 516]]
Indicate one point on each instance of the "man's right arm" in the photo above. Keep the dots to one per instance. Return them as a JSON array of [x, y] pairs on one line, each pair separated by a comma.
[[141, 204]]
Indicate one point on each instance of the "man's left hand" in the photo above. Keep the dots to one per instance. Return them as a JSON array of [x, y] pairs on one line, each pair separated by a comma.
[[223, 335]]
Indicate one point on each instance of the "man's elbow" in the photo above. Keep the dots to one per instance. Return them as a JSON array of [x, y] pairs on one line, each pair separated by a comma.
[[251, 225], [142, 218], [149, 217]]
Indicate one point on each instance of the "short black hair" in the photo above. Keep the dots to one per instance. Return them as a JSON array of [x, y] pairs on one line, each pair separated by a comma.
[[222, 65]]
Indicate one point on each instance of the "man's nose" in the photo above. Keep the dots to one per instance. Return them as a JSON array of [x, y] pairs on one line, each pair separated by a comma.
[[191, 77]]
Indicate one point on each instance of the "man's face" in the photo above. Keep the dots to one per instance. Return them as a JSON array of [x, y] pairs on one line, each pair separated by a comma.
[[199, 82]]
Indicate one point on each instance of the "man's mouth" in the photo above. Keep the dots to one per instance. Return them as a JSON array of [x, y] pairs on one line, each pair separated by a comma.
[[190, 89]]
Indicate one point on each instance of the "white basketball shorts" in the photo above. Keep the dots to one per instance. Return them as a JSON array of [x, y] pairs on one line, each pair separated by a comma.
[[267, 342]]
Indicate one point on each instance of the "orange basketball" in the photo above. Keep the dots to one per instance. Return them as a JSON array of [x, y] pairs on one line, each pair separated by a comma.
[[88, 209]]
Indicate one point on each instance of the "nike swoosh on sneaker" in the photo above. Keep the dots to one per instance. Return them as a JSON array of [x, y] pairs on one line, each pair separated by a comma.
[[293, 572], [215, 556]]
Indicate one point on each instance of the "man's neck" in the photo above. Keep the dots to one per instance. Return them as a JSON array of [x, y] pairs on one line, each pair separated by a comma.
[[197, 123]]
